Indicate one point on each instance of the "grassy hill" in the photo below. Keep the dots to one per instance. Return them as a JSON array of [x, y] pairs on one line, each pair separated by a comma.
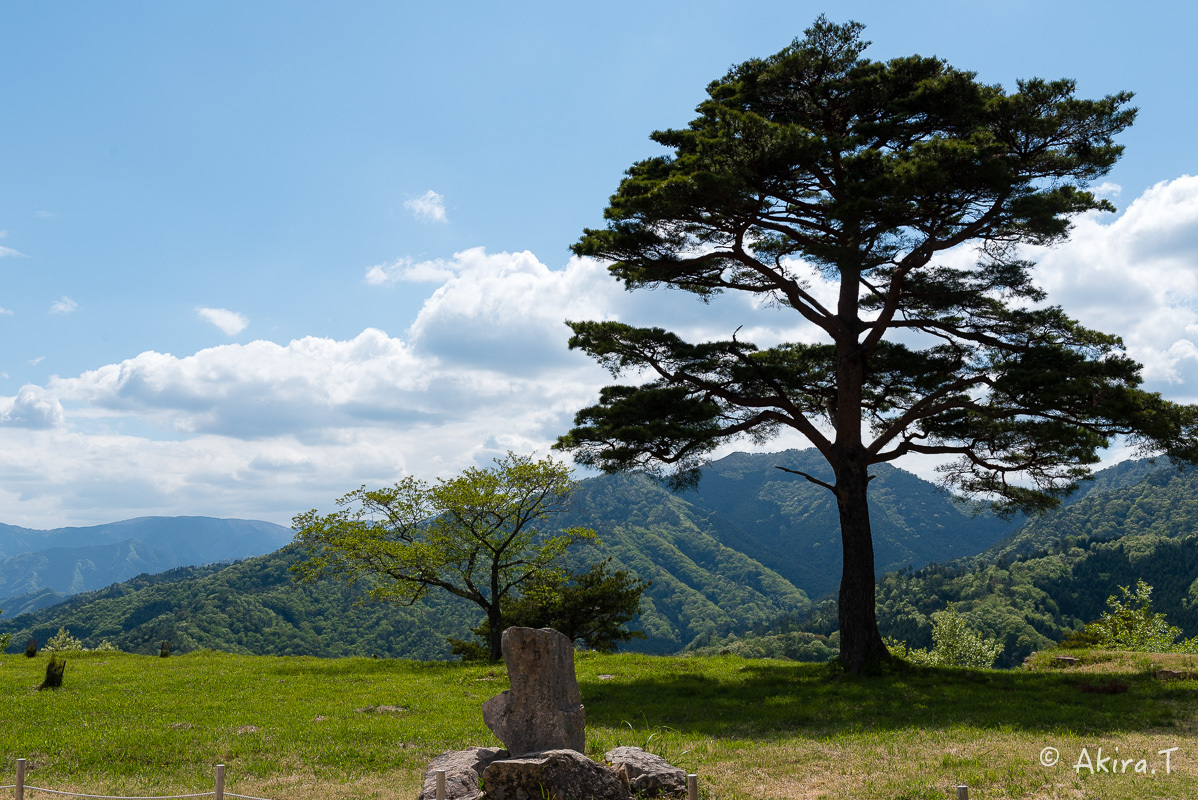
[[304, 728]]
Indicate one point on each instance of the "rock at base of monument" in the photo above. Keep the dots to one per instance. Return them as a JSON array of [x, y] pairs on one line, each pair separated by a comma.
[[648, 774], [543, 710], [463, 770], [557, 774]]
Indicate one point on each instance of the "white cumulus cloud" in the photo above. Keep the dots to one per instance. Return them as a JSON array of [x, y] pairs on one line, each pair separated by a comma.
[[1136, 276], [428, 207], [33, 407], [230, 322], [266, 429]]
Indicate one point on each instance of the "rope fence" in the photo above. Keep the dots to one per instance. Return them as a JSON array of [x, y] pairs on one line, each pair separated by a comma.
[[218, 792], [692, 789]]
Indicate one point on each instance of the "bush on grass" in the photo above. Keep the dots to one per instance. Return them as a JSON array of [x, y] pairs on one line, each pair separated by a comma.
[[64, 642], [953, 645], [54, 670]]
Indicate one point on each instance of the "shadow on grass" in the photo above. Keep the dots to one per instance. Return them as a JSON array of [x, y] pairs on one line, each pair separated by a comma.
[[772, 700]]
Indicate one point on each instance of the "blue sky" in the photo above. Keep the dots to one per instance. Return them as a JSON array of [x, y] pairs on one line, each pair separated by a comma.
[[254, 255]]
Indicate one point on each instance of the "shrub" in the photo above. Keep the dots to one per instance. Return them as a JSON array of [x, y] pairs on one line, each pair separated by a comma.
[[54, 670], [1131, 625], [31, 648], [63, 642], [165, 650], [5, 641], [106, 646], [953, 644]]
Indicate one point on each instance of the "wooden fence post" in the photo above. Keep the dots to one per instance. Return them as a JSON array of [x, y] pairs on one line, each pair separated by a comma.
[[440, 784], [692, 787], [962, 793], [20, 779], [220, 782]]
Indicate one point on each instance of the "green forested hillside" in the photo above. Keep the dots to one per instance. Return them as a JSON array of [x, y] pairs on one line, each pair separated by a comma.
[[249, 607], [732, 557], [36, 566], [699, 586], [791, 525], [1136, 497]]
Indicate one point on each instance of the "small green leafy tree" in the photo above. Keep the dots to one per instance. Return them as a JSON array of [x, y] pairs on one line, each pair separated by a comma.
[[953, 644], [63, 642], [591, 607], [5, 640], [1131, 624], [477, 536]]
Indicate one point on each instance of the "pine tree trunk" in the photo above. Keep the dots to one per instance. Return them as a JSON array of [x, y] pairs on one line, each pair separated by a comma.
[[861, 647]]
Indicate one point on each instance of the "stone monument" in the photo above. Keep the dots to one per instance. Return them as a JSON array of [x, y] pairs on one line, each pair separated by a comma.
[[543, 709], [542, 724]]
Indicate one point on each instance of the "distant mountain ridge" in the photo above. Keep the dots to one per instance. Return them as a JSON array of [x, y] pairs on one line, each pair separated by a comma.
[[751, 545], [38, 567]]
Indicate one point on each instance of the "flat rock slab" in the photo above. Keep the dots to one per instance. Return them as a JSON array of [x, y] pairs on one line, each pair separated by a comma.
[[463, 769], [543, 709], [556, 774], [648, 773]]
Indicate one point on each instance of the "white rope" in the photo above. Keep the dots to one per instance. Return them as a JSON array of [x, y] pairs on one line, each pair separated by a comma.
[[242, 796], [112, 797]]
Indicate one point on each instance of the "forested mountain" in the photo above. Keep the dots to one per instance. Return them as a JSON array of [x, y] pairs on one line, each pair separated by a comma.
[[741, 553], [1130, 498], [38, 568], [733, 556], [1056, 573], [248, 607], [791, 525]]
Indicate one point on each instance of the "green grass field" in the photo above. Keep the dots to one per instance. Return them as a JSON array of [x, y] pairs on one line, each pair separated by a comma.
[[306, 728]]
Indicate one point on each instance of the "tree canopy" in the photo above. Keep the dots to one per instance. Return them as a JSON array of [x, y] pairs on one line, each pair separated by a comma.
[[887, 205], [476, 536], [591, 607]]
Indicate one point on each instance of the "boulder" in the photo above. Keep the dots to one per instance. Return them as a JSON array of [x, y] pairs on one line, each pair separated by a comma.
[[463, 768], [648, 774], [543, 709], [556, 774]]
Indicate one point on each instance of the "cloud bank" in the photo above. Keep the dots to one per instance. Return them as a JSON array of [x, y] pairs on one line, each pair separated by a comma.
[[265, 429]]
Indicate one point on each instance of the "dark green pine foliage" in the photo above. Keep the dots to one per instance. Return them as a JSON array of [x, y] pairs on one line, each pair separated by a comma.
[[820, 162]]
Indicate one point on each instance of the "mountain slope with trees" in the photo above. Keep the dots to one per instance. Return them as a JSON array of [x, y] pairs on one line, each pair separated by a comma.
[[1056, 573], [39, 567], [792, 526]]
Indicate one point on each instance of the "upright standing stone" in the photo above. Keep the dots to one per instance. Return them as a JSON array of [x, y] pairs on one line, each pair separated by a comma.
[[543, 709]]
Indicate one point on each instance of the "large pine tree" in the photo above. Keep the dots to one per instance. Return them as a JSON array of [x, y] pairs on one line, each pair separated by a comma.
[[869, 173]]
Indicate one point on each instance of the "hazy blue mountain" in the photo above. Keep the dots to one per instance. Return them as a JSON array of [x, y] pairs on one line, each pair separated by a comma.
[[71, 560]]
